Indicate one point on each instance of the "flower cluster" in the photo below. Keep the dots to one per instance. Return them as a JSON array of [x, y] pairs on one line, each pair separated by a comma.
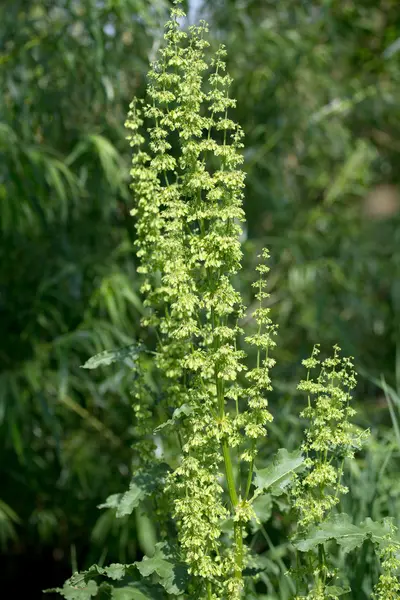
[[257, 416], [329, 439], [188, 187], [388, 586]]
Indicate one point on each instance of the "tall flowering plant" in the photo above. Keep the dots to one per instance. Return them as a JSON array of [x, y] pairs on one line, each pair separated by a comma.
[[202, 418]]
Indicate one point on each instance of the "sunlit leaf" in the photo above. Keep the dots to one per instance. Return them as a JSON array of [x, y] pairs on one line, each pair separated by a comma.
[[127, 355], [143, 484], [172, 575], [75, 590], [345, 533], [183, 410], [279, 474], [334, 590], [130, 593]]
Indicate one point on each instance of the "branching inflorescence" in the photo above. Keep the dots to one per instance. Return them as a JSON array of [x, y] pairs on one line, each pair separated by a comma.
[[188, 186], [212, 407]]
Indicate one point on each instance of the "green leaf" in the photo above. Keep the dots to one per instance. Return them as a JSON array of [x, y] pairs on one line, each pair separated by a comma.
[[279, 475], [257, 563], [127, 355], [138, 591], [334, 590], [262, 506], [130, 593], [143, 484], [185, 410], [171, 574], [81, 586], [104, 591], [146, 531], [116, 571], [112, 501], [345, 533], [74, 590]]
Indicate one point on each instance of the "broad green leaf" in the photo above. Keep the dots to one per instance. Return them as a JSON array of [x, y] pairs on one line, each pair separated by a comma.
[[334, 590], [131, 499], [81, 591], [81, 586], [127, 355], [158, 563], [112, 501], [262, 506], [138, 591], [279, 474], [104, 591], [143, 484], [116, 571], [185, 410], [345, 533], [129, 593], [172, 574]]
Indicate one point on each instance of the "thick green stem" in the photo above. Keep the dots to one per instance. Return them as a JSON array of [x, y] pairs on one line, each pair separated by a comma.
[[229, 474], [230, 479], [322, 565], [237, 528], [238, 534]]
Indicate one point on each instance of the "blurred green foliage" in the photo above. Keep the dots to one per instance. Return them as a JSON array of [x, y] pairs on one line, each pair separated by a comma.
[[318, 88], [318, 94], [67, 274]]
